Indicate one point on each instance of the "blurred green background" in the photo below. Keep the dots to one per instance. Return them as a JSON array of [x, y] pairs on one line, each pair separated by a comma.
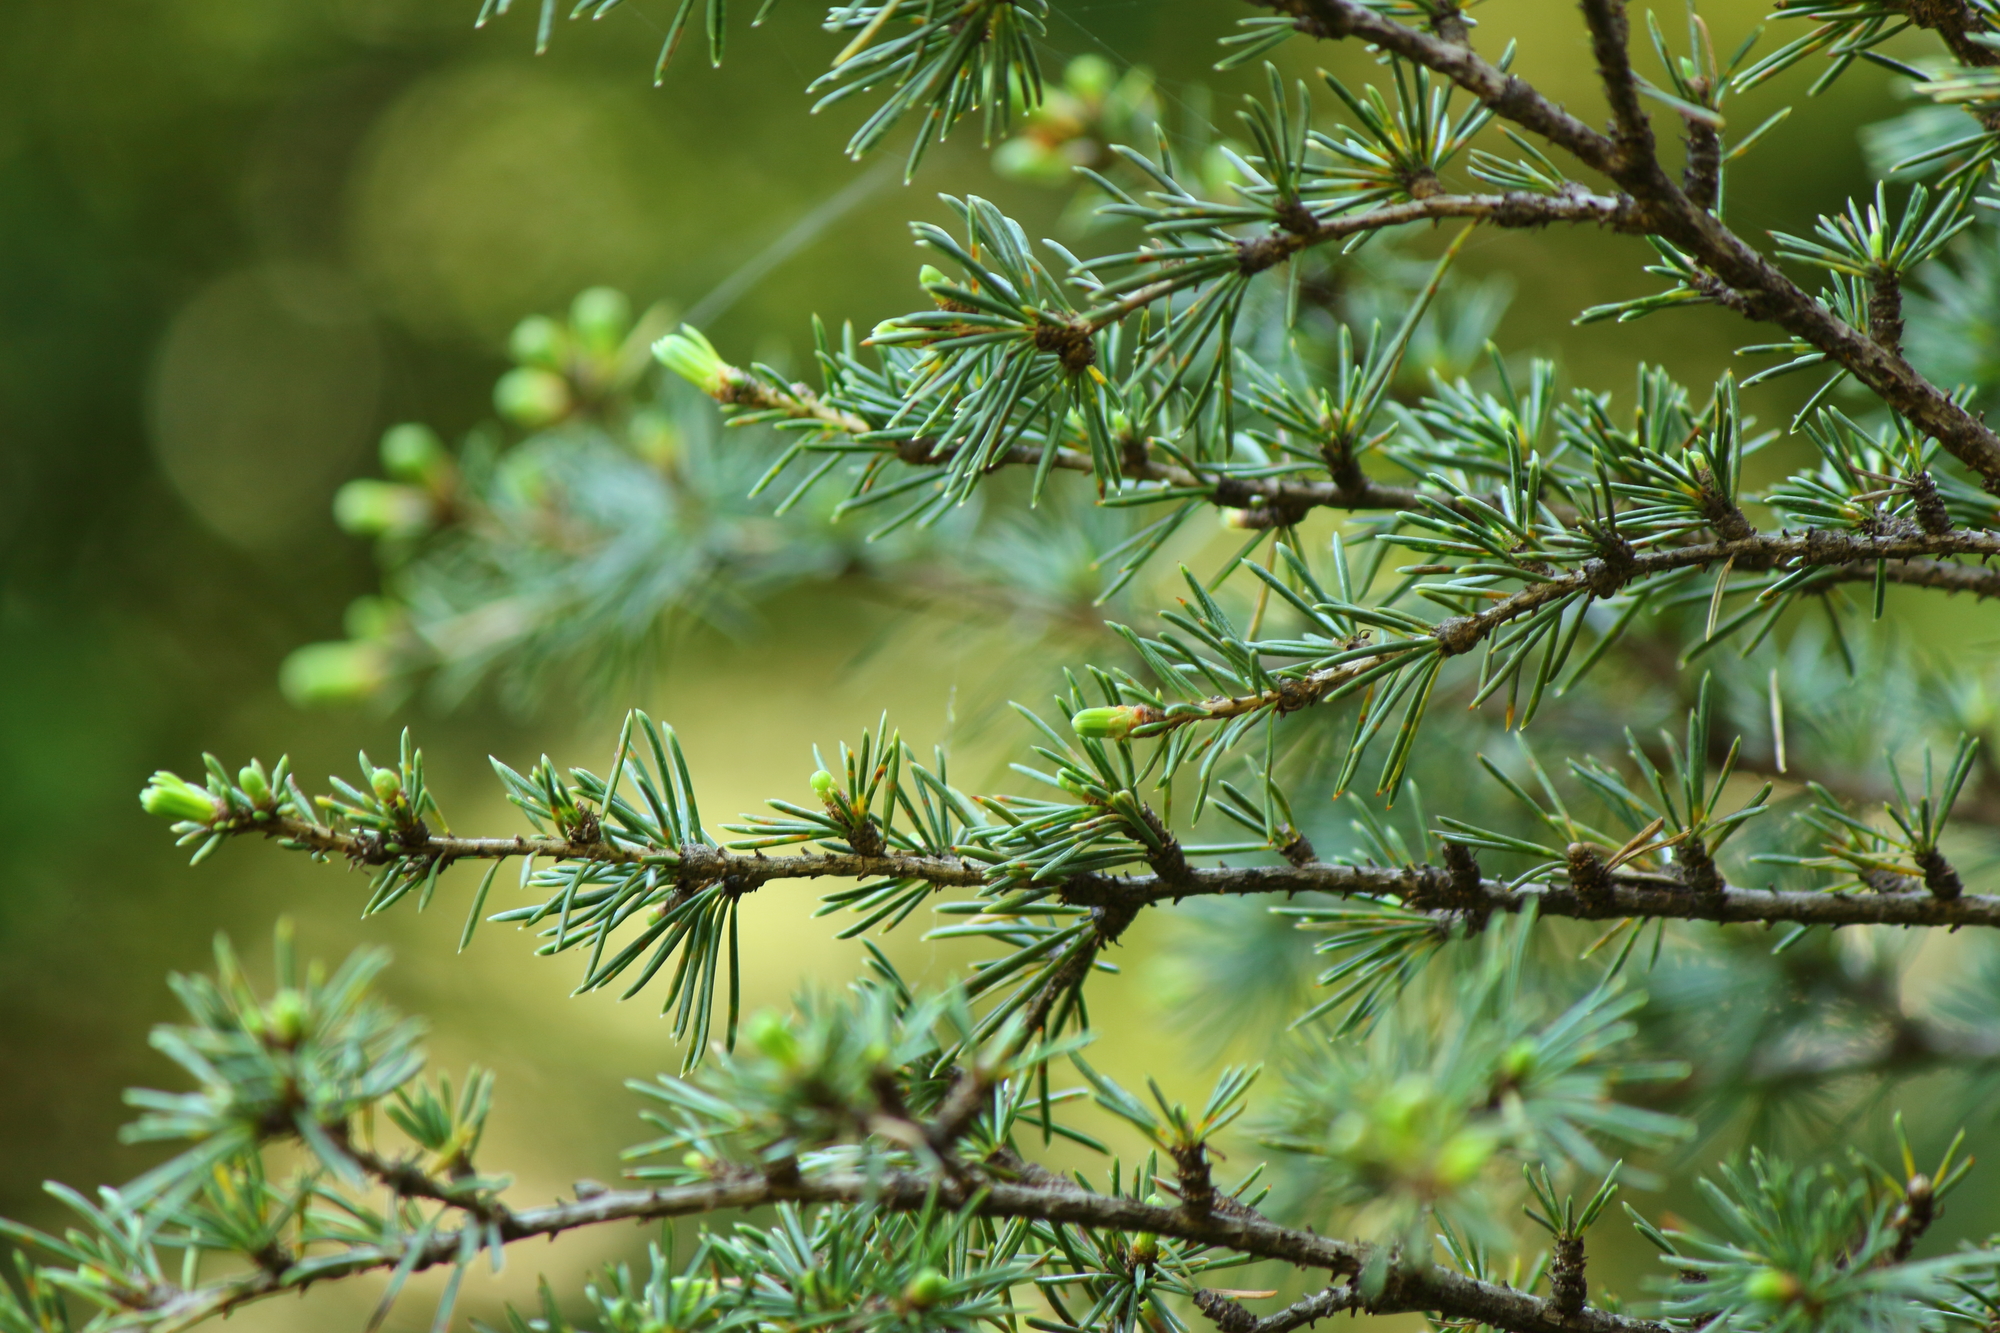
[[238, 238]]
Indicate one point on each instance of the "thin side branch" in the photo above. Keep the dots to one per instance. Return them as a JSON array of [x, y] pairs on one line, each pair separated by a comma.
[[406, 1178], [1513, 209], [1230, 1317], [695, 864], [1266, 501], [1610, 36]]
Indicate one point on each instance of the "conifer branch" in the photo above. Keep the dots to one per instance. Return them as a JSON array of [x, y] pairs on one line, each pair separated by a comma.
[[407, 1179], [1843, 555], [1265, 501], [1514, 209], [1413, 1288], [1835, 551], [692, 863], [1423, 888], [883, 1127], [1762, 292], [1436, 890]]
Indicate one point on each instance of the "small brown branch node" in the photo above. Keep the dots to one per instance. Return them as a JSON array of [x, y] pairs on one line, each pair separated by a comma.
[[1697, 868], [1701, 177], [1224, 1313], [1939, 876], [1914, 1216], [1447, 20], [1295, 217], [1299, 850], [1463, 867], [1169, 862], [1567, 1284], [1458, 634], [1197, 1187], [1588, 874], [1608, 574], [1885, 311], [1071, 343], [865, 838], [1258, 253], [1932, 516], [1721, 511]]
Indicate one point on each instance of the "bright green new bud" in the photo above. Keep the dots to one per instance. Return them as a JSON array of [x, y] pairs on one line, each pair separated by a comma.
[[412, 452], [925, 1289], [769, 1033], [695, 1161], [1463, 1155], [334, 673], [1518, 1060], [1772, 1285], [930, 275], [170, 796], [1107, 724], [1028, 158], [255, 784], [601, 315], [694, 359], [655, 438], [1402, 1107], [370, 617], [692, 1290], [823, 784], [532, 398], [369, 508], [538, 341], [1090, 76], [1146, 1245], [285, 1017], [388, 784]]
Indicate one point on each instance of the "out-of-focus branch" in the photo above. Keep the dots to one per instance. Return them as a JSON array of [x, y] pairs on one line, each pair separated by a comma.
[[1230, 1317]]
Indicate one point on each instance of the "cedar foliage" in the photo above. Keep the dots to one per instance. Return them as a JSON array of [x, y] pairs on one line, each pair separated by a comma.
[[1621, 953]]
